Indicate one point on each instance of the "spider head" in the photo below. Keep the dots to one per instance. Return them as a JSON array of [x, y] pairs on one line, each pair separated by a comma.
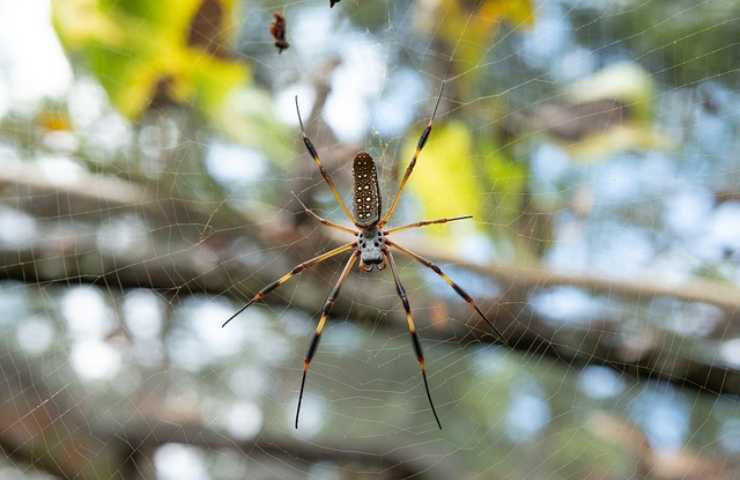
[[370, 243]]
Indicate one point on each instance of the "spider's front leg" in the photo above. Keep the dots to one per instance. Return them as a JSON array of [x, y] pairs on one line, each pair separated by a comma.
[[425, 223], [317, 160], [324, 221], [419, 147]]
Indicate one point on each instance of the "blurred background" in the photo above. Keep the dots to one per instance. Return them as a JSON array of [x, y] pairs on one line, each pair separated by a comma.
[[148, 151]]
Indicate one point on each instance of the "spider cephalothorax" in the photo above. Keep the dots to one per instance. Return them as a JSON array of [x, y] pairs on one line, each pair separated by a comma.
[[370, 246]]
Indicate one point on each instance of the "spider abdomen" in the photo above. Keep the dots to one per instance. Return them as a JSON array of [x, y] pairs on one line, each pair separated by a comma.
[[366, 190]]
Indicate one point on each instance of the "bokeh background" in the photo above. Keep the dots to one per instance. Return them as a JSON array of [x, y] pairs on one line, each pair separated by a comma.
[[148, 151]]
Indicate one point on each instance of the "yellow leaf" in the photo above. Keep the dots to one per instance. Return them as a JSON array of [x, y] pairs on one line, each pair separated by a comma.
[[631, 86], [445, 180], [468, 27], [617, 139], [54, 120], [627, 82], [81, 22]]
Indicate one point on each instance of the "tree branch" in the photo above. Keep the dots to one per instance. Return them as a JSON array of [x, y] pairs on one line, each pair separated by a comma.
[[724, 296], [87, 196], [201, 270], [237, 266], [51, 431]]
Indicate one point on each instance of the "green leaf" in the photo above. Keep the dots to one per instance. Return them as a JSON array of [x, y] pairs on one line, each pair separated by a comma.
[[145, 53]]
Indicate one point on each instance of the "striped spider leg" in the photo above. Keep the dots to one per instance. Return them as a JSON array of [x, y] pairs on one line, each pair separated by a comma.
[[412, 331], [407, 174], [315, 155], [457, 288], [320, 326], [295, 271], [425, 223]]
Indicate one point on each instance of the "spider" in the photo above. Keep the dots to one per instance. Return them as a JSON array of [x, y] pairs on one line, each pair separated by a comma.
[[371, 247]]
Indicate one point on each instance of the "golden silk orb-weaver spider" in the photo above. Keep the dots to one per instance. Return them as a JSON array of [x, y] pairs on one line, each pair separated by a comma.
[[371, 247]]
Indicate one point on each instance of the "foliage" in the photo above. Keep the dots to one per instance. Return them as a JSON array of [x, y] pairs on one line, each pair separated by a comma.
[[460, 174], [149, 53], [447, 171], [684, 44], [630, 87], [471, 27], [562, 168]]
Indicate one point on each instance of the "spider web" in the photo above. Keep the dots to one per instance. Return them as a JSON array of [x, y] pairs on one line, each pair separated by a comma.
[[622, 346]]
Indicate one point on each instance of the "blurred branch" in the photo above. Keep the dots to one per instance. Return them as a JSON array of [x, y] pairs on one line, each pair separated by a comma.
[[47, 429], [236, 263], [727, 195], [321, 79], [94, 194], [575, 121], [26, 186], [724, 296], [86, 196], [395, 463], [199, 270], [679, 464]]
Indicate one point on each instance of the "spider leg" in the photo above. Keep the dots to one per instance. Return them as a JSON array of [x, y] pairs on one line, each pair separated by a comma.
[[296, 270], [315, 155], [326, 222], [449, 281], [419, 146], [424, 223], [320, 327], [412, 331]]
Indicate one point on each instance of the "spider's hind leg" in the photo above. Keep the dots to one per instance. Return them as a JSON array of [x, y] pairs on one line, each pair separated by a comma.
[[412, 331], [320, 328], [457, 288]]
